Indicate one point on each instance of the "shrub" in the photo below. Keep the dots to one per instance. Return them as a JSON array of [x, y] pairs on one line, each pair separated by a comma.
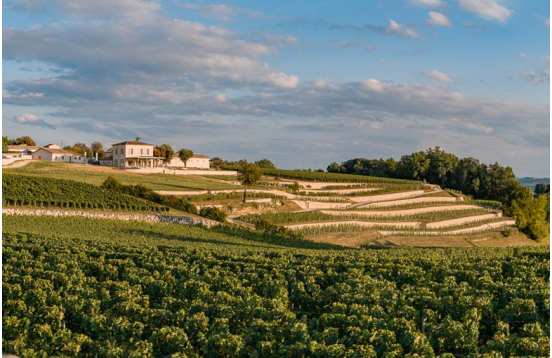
[[213, 213]]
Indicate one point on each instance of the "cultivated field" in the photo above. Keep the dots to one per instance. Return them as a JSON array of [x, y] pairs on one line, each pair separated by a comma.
[[317, 206], [92, 271]]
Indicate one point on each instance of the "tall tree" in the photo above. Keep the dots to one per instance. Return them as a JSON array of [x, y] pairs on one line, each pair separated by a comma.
[[5, 142], [216, 162], [265, 163], [164, 151], [248, 174], [185, 154], [79, 148], [97, 147], [23, 140]]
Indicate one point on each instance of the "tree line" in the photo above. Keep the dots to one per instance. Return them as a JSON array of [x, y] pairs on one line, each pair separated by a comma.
[[469, 175]]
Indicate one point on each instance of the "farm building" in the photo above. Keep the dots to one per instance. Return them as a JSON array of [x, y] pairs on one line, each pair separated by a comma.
[[57, 155], [197, 161], [135, 154]]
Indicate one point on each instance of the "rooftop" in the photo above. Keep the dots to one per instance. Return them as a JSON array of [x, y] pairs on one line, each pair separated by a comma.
[[135, 142]]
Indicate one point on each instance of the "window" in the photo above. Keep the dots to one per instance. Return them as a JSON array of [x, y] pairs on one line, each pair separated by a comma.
[[131, 151], [141, 151], [147, 151]]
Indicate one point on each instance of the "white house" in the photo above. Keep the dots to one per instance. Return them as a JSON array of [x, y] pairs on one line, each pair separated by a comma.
[[135, 154], [21, 149], [58, 155], [197, 161]]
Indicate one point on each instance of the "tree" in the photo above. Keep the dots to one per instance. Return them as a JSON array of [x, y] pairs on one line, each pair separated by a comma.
[[164, 151], [97, 147], [265, 163], [334, 167], [185, 154], [532, 215], [542, 189], [79, 148], [248, 174], [413, 166], [23, 140], [216, 162], [5, 142]]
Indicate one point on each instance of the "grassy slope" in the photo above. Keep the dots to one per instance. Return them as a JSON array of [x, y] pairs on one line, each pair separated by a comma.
[[96, 175]]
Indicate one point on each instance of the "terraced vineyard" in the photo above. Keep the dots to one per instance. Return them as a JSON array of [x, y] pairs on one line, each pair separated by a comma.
[[314, 204], [387, 208]]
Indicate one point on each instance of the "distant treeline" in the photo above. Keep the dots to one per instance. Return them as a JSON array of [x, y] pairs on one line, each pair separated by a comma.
[[469, 175]]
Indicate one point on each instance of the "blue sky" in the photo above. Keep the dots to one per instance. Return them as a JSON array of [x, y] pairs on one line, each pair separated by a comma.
[[302, 83]]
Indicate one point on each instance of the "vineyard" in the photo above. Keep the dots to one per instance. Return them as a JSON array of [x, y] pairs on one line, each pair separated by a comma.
[[89, 288], [331, 177], [20, 190]]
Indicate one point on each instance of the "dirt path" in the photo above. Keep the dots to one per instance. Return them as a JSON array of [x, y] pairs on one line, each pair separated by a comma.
[[17, 164], [397, 224], [404, 212], [462, 221], [469, 230], [430, 199]]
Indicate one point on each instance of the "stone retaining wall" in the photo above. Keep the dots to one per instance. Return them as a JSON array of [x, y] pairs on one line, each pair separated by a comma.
[[150, 218]]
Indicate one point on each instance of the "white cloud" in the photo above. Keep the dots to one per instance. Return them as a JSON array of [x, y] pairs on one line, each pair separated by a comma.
[[221, 12], [438, 19], [429, 3], [402, 30], [487, 9], [149, 49], [32, 120], [438, 76], [373, 85]]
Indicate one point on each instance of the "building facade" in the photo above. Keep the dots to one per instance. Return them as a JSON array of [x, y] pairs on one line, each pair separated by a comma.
[[134, 154], [58, 155], [197, 161]]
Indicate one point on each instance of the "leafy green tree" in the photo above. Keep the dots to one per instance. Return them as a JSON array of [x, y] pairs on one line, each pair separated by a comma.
[[164, 151], [413, 166], [23, 140], [216, 162], [532, 215], [213, 213], [97, 147], [5, 142], [79, 148], [542, 189], [248, 174], [185, 154], [265, 163]]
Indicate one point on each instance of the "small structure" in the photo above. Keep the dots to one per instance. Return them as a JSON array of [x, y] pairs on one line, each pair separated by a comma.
[[21, 149], [135, 154], [57, 155], [197, 161]]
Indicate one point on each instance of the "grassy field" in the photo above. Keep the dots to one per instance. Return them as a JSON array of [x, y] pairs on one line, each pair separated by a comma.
[[93, 174]]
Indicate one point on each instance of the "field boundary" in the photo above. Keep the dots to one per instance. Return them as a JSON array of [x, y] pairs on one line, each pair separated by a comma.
[[150, 218]]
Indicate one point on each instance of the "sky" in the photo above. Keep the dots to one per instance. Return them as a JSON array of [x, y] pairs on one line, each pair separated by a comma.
[[302, 83]]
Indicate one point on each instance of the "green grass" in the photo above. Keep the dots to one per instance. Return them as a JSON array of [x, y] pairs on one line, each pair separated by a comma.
[[96, 175]]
